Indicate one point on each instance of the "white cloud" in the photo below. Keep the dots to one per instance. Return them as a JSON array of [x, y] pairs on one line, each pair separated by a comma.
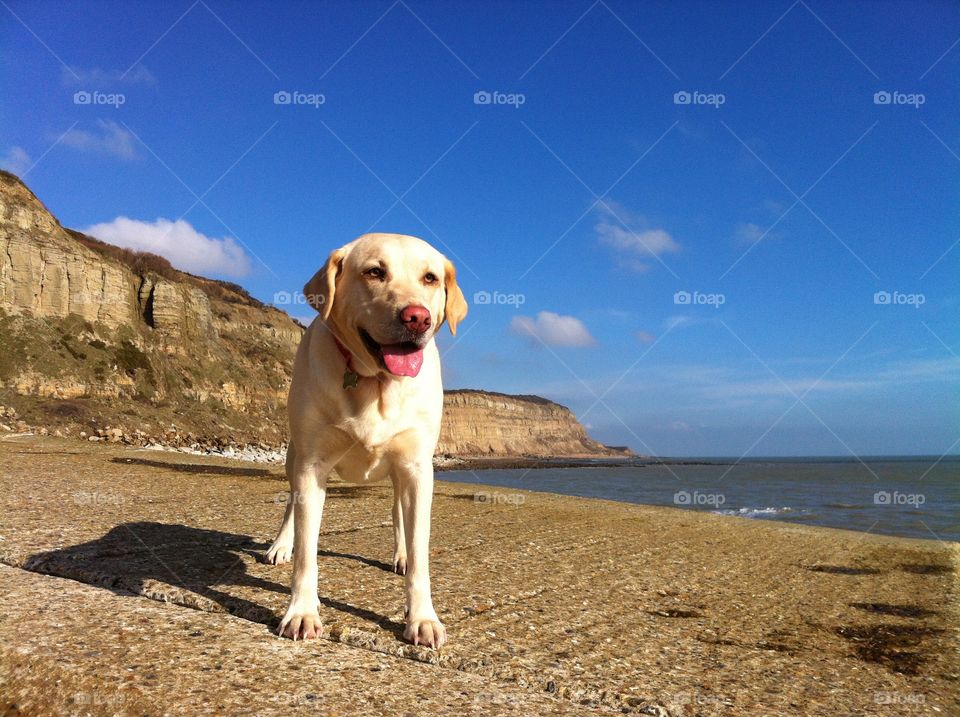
[[112, 139], [650, 242], [750, 233], [178, 241], [96, 76], [679, 321], [676, 321], [552, 329], [16, 160], [628, 235]]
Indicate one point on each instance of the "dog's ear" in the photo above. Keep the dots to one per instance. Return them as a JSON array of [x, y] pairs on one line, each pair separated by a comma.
[[321, 289], [455, 309]]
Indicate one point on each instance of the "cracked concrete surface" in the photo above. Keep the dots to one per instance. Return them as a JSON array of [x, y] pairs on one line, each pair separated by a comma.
[[133, 585]]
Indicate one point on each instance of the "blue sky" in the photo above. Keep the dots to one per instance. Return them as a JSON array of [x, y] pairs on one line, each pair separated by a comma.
[[691, 277]]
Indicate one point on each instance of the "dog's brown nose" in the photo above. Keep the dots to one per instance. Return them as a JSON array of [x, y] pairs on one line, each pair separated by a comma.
[[415, 319]]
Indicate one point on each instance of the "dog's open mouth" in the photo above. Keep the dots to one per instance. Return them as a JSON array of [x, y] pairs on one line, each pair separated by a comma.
[[403, 359]]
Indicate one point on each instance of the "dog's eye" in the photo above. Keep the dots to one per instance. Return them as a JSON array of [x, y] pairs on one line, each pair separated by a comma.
[[375, 272], [429, 278]]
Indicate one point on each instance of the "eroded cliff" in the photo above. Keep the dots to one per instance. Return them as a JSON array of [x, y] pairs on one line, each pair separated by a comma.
[[93, 336], [482, 423]]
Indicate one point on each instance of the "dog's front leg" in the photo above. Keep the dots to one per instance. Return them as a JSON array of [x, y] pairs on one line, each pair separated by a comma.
[[399, 541], [415, 488], [282, 547], [302, 619]]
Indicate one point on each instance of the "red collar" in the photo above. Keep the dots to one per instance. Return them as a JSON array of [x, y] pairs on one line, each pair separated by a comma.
[[350, 376], [347, 356]]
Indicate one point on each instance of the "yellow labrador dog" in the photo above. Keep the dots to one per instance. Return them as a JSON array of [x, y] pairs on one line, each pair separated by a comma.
[[366, 400]]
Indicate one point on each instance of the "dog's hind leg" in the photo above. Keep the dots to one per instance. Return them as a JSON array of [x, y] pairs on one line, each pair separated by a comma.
[[282, 548]]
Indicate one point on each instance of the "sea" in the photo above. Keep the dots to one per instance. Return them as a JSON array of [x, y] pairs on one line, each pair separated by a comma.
[[909, 496]]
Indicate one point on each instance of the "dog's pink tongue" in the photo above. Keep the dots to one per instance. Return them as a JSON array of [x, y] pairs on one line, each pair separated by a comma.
[[402, 360]]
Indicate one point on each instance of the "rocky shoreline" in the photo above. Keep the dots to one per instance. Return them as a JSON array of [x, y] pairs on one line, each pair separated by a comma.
[[173, 440], [177, 441]]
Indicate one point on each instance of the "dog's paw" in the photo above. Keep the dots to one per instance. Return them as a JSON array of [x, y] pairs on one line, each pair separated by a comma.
[[430, 633], [301, 624], [400, 564], [279, 553]]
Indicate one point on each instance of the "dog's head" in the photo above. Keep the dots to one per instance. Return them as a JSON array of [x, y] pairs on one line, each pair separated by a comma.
[[385, 296]]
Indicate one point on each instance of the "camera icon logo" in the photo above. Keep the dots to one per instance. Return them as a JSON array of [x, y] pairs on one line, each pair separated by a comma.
[[282, 98], [682, 298], [882, 98], [682, 98], [482, 98], [82, 97], [882, 497], [881, 298], [682, 497], [481, 298]]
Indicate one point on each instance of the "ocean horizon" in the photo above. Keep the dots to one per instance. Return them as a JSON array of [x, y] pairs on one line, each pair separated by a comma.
[[905, 496]]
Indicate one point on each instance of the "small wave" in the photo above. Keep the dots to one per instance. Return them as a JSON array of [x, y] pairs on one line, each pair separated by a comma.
[[753, 512]]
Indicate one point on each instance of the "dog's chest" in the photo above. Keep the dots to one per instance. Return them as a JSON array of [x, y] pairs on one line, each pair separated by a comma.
[[380, 414], [377, 412]]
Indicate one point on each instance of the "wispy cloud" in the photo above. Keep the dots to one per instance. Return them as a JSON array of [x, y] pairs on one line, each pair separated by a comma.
[[16, 160], [702, 389], [683, 321], [110, 139], [98, 77], [178, 241], [552, 330], [750, 233], [631, 237], [885, 377]]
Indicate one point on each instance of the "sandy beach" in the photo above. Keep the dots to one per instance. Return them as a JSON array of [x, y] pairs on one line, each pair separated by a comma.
[[131, 584]]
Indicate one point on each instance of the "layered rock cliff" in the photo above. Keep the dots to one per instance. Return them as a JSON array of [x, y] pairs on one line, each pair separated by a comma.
[[124, 338], [482, 423], [93, 336]]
